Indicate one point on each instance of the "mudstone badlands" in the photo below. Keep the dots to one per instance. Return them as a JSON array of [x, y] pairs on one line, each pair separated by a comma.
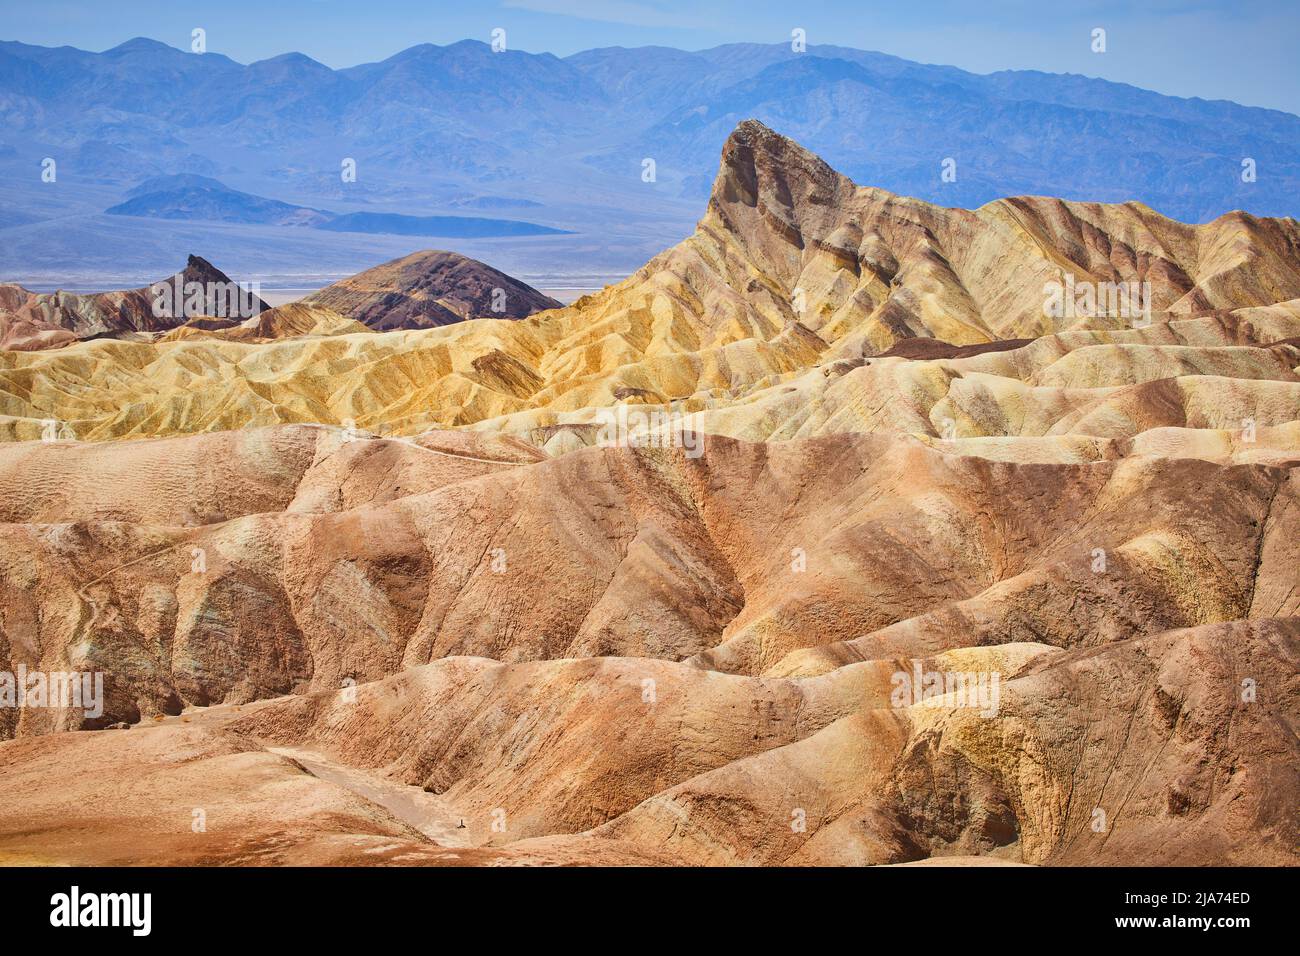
[[851, 530]]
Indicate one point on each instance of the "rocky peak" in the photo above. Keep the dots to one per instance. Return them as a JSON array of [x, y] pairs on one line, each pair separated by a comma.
[[770, 185]]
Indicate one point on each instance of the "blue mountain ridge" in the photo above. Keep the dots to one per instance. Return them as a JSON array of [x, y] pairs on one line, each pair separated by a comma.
[[189, 197], [435, 128]]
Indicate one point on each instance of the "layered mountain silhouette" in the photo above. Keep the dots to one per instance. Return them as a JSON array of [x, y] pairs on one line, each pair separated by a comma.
[[32, 320], [189, 197], [839, 533], [433, 128], [422, 290]]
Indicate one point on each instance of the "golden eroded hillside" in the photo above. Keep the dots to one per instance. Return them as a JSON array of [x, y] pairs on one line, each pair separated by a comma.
[[660, 577], [792, 269]]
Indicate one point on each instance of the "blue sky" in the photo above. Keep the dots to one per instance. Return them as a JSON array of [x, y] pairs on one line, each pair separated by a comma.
[[1242, 50]]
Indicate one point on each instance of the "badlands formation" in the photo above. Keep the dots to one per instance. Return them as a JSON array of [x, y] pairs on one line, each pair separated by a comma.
[[395, 597], [42, 320]]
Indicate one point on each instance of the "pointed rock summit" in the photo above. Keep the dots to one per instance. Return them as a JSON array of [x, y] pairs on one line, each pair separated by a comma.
[[764, 170], [39, 320], [786, 240]]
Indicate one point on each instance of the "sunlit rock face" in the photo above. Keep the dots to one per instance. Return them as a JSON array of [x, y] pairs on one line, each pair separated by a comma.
[[844, 532]]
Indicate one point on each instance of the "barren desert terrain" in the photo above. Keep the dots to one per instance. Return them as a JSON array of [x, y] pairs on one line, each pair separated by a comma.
[[850, 530]]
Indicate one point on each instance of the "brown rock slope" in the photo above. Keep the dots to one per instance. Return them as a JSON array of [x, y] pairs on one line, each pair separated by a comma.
[[326, 559], [1078, 539], [680, 655], [428, 289], [32, 321], [190, 793], [1151, 732]]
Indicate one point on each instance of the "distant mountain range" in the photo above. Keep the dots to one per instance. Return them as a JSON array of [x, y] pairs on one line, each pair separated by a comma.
[[433, 130], [187, 196]]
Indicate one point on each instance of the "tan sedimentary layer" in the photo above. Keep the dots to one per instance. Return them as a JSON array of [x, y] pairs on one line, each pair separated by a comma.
[[793, 272], [386, 597]]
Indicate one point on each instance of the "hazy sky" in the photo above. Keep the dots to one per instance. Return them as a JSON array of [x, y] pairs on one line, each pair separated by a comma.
[[1243, 50]]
